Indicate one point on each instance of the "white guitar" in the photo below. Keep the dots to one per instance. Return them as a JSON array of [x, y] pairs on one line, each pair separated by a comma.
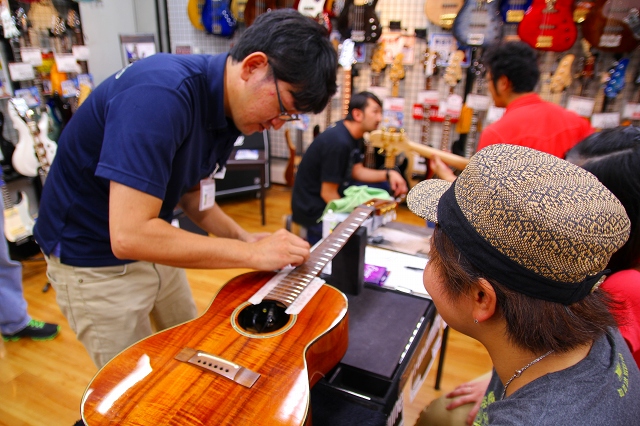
[[18, 223], [34, 149]]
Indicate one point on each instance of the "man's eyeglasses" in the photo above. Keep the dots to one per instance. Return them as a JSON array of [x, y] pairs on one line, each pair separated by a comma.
[[284, 115]]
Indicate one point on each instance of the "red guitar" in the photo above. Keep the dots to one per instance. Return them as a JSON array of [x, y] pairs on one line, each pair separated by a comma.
[[613, 25], [250, 359], [548, 25]]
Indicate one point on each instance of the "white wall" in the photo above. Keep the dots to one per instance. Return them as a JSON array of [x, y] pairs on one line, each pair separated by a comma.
[[102, 24]]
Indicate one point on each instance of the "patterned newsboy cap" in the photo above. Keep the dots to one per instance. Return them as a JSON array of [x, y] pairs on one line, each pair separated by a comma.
[[522, 215]]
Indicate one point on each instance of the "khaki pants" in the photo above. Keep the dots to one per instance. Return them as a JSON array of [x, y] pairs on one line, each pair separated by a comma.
[[110, 308]]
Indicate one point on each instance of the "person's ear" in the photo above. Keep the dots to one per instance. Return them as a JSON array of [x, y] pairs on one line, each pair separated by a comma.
[[254, 62], [484, 300], [357, 114], [503, 84]]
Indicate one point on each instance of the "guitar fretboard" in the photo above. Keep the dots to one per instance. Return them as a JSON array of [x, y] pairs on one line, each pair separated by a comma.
[[291, 286]]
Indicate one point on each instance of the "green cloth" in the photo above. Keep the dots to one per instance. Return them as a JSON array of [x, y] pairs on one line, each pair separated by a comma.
[[353, 197]]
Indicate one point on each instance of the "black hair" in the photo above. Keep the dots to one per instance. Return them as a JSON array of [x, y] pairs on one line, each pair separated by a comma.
[[613, 156], [299, 52], [533, 324], [515, 60], [359, 101]]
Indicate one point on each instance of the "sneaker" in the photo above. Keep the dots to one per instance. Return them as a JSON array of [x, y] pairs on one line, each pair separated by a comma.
[[37, 330]]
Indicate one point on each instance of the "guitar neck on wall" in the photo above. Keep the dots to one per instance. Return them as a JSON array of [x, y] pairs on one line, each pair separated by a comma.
[[452, 75]]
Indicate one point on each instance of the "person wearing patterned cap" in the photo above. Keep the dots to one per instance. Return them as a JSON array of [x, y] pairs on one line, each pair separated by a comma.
[[521, 245]]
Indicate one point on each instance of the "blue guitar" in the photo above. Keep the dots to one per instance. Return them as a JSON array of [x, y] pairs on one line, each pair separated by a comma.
[[478, 23], [615, 83], [217, 18]]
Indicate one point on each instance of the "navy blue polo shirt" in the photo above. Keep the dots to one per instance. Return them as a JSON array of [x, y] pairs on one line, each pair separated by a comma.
[[157, 126]]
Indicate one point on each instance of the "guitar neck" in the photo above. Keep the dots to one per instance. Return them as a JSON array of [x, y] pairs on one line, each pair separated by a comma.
[[347, 92], [448, 158], [472, 136]]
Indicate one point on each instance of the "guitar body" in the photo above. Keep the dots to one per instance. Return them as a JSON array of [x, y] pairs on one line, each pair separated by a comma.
[[359, 22], [442, 12], [315, 9], [549, 26], [607, 28], [253, 8], [146, 385], [18, 223], [24, 160], [217, 18], [512, 11], [478, 24], [194, 11]]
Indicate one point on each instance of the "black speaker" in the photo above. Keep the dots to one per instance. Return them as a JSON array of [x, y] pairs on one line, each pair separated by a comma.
[[347, 268]]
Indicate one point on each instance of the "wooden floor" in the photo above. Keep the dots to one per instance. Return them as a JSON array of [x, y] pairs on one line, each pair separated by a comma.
[[41, 383]]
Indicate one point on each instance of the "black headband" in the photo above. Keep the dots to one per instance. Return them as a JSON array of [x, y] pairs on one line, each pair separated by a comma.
[[501, 268]]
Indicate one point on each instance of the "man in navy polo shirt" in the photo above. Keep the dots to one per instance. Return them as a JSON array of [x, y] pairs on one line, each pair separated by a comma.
[[150, 138]]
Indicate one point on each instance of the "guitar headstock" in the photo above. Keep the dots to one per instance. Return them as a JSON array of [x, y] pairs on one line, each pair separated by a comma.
[[616, 78], [377, 58], [561, 79], [347, 57], [391, 142], [453, 72], [429, 62], [384, 211]]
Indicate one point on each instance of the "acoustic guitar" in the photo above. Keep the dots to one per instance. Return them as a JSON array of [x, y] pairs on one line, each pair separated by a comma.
[[249, 359]]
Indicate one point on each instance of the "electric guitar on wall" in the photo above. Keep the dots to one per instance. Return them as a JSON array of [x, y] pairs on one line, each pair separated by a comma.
[[194, 12], [359, 22], [345, 60], [478, 23], [217, 18], [512, 11], [253, 8], [18, 225], [561, 79], [249, 359], [319, 10], [549, 25], [34, 151], [452, 75], [442, 12], [613, 25]]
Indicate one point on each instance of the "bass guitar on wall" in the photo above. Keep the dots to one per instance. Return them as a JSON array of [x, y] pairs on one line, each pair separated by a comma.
[[359, 22], [478, 23], [249, 359], [613, 25], [548, 25], [217, 18]]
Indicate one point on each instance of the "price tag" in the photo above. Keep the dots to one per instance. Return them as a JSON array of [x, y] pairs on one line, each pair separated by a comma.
[[581, 105], [478, 102], [31, 55], [494, 114], [20, 71], [632, 111], [66, 62], [80, 52], [69, 89], [605, 120], [428, 97], [454, 105]]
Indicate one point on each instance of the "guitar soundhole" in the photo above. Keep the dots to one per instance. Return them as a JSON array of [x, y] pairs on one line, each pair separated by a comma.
[[267, 317]]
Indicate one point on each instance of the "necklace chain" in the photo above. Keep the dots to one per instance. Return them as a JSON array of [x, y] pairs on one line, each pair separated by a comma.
[[518, 373]]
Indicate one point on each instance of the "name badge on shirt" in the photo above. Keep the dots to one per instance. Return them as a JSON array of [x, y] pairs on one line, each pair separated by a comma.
[[207, 193]]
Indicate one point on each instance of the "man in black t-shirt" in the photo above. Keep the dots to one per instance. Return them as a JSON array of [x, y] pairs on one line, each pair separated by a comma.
[[334, 160]]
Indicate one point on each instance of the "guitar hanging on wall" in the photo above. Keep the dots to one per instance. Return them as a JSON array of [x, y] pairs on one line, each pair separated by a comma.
[[253, 8], [478, 23], [34, 151], [359, 22], [613, 25], [249, 359], [442, 12], [548, 25], [452, 75], [318, 10], [217, 18], [18, 225]]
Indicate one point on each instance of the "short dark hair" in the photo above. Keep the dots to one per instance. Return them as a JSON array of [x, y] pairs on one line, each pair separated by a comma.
[[299, 52], [613, 156], [359, 101], [517, 61], [533, 324]]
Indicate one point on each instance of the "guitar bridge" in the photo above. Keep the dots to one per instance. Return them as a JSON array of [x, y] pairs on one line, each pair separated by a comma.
[[215, 364]]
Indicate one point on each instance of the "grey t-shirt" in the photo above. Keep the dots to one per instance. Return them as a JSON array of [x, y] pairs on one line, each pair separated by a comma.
[[602, 389]]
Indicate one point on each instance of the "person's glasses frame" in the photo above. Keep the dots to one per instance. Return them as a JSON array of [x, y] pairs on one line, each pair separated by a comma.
[[284, 115]]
